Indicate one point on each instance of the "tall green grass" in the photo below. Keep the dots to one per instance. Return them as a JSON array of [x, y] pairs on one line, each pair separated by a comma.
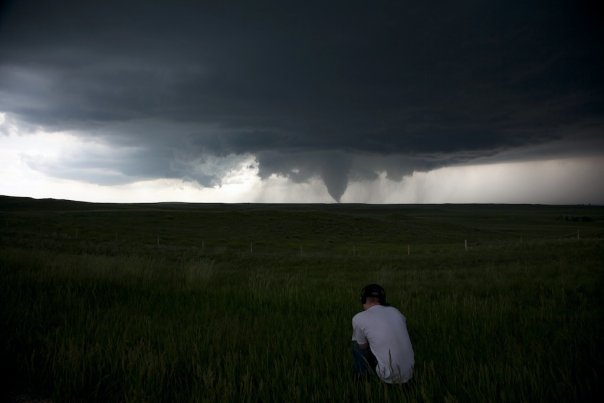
[[511, 322]]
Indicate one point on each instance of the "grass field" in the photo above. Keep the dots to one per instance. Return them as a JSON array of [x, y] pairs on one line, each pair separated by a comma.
[[181, 302]]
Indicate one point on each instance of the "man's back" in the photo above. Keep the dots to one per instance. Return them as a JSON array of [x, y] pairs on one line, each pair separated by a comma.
[[385, 329]]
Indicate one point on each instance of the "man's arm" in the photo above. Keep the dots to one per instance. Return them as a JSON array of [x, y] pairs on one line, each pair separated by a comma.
[[358, 335]]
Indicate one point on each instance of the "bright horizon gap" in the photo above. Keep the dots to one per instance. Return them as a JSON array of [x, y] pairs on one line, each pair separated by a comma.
[[28, 159], [304, 203]]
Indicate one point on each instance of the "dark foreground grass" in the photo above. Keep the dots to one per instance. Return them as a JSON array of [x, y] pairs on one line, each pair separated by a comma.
[[506, 321]]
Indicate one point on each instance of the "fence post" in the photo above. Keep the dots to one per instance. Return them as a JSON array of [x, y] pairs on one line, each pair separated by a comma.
[[408, 250], [466, 244]]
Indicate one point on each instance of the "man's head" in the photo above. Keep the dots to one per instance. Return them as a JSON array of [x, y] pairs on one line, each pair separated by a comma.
[[373, 294]]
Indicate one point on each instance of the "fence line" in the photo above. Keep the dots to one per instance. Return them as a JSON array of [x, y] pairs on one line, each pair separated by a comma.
[[305, 249]]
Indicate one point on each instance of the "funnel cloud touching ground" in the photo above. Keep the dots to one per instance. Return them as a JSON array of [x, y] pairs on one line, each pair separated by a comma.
[[350, 94]]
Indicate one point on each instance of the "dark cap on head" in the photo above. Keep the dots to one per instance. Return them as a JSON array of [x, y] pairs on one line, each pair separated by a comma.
[[373, 290]]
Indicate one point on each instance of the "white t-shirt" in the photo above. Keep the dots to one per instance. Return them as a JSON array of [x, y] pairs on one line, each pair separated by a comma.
[[385, 329]]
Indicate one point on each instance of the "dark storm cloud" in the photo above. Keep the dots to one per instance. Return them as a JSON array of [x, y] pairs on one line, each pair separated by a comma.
[[335, 89]]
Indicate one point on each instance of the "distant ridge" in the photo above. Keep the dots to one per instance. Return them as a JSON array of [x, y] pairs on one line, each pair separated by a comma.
[[8, 203]]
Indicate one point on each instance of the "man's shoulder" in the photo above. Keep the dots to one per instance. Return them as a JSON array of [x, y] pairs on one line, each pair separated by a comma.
[[392, 311], [387, 311], [377, 311], [392, 308], [358, 316], [361, 318]]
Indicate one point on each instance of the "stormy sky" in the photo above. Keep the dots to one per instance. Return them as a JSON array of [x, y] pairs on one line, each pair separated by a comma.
[[368, 101]]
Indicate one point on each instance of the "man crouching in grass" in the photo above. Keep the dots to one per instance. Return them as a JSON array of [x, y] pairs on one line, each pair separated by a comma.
[[380, 339]]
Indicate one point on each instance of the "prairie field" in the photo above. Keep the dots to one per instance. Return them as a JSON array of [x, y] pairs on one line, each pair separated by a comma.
[[253, 303]]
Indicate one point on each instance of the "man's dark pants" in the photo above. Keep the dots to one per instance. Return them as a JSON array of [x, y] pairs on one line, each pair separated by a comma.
[[364, 361]]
